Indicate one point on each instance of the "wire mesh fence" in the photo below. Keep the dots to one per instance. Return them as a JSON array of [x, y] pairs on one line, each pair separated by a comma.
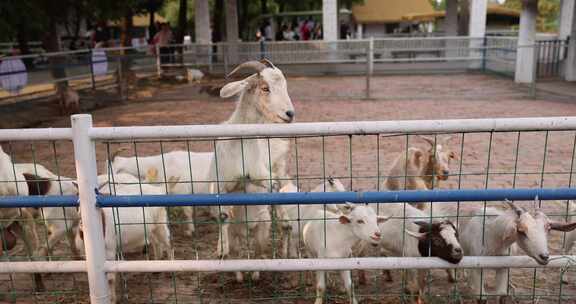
[[138, 167]]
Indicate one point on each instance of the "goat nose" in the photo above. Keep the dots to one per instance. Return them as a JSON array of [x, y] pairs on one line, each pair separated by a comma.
[[377, 234], [290, 114], [458, 250], [445, 172], [544, 257]]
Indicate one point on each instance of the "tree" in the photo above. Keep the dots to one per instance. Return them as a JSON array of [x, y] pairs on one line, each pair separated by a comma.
[[548, 13]]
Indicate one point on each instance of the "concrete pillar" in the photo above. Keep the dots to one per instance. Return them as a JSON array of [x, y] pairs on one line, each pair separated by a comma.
[[359, 31], [329, 20], [570, 65], [526, 39], [202, 22], [477, 30], [451, 18], [231, 9], [566, 18]]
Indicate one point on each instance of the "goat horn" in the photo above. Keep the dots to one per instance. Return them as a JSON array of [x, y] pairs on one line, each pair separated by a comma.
[[268, 63], [417, 235], [255, 65], [331, 180], [516, 209], [429, 140], [115, 153]]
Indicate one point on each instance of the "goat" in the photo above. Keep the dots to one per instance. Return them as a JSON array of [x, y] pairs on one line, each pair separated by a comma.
[[68, 101], [417, 237], [297, 215], [192, 169], [336, 239], [60, 222], [263, 99], [248, 223], [417, 168], [491, 232], [135, 226]]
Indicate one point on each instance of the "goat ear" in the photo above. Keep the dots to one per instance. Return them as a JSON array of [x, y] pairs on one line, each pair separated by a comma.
[[37, 185], [233, 88], [564, 227], [511, 232], [344, 219], [417, 158], [382, 219], [424, 224], [416, 235]]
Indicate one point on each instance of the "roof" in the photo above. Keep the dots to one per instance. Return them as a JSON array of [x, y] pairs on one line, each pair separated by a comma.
[[493, 9], [139, 20], [387, 11]]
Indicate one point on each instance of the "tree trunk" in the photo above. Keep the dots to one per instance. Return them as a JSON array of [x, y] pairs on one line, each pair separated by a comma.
[[151, 22], [218, 30], [182, 22], [124, 73], [464, 18], [263, 7], [57, 64]]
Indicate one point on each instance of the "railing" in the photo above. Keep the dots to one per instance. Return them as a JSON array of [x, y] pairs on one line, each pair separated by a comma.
[[552, 54], [503, 143]]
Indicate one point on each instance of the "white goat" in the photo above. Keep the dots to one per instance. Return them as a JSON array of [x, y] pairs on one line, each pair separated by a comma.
[[60, 222], [263, 99], [410, 232], [494, 234], [298, 215], [192, 169], [12, 183], [248, 225], [570, 236], [138, 228], [336, 239]]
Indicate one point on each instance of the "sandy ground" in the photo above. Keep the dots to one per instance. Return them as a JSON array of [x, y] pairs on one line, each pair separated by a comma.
[[499, 160]]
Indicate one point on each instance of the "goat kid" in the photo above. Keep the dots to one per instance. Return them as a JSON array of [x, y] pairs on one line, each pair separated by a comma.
[[146, 227], [336, 239]]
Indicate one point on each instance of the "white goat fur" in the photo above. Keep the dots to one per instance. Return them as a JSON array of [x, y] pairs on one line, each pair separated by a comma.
[[246, 225], [360, 224], [132, 236], [53, 217], [177, 164], [298, 215], [502, 229]]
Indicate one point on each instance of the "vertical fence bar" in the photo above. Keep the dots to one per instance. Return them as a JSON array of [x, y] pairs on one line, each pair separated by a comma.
[[86, 171], [158, 61], [536, 47], [90, 61], [369, 65]]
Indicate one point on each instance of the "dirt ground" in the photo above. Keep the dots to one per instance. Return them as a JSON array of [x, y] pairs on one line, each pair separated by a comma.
[[485, 160]]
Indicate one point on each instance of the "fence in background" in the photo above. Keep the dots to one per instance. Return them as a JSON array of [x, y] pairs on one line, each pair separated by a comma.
[[98, 69], [499, 159]]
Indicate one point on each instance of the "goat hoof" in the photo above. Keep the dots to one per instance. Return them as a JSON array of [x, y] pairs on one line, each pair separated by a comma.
[[388, 276], [255, 276], [39, 283], [362, 277]]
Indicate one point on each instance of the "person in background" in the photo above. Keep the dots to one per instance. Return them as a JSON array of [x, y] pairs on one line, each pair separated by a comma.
[[163, 39], [317, 32], [305, 30], [268, 33], [101, 35], [287, 33]]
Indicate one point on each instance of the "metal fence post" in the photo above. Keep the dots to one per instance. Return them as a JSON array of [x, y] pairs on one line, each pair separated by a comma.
[[86, 172], [534, 70], [158, 61], [369, 65], [262, 49], [225, 57], [90, 61], [484, 45]]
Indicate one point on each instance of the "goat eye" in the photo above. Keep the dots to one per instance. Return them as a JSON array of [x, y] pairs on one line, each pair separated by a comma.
[[360, 222], [266, 89]]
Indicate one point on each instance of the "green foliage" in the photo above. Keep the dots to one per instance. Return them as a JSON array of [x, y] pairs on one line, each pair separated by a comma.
[[548, 13]]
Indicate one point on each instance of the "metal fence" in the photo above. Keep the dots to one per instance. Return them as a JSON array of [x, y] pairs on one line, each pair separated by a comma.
[[552, 54], [494, 159]]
